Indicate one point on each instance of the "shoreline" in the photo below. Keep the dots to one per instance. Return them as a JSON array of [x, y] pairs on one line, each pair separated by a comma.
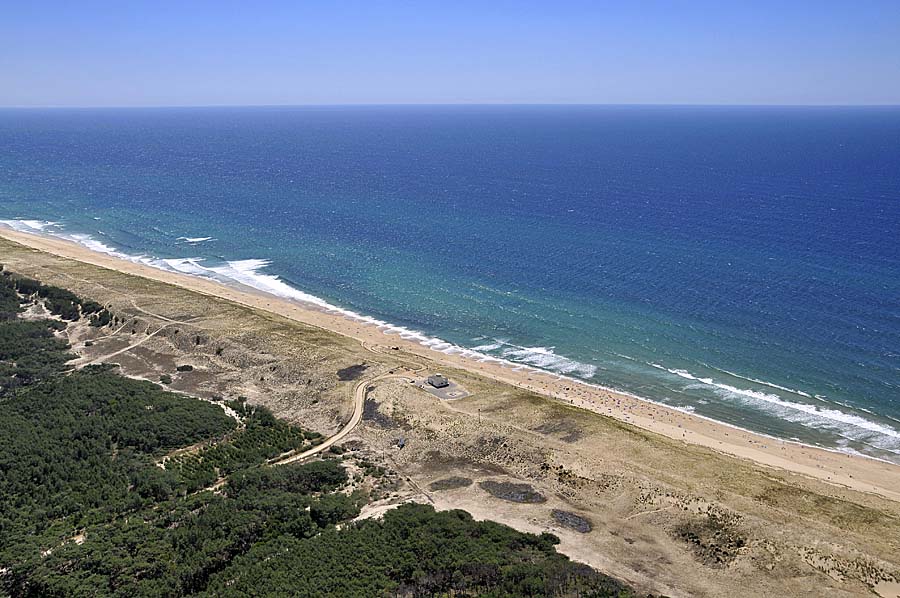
[[854, 471], [243, 274]]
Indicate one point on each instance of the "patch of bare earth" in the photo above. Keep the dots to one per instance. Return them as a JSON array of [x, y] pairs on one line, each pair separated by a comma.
[[670, 518]]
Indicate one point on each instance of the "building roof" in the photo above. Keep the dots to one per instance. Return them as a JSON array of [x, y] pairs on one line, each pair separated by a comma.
[[437, 380]]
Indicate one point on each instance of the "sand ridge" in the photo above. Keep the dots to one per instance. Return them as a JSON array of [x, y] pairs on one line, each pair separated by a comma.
[[851, 471]]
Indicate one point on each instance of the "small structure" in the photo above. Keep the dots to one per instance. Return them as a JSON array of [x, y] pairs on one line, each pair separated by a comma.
[[439, 386], [438, 381]]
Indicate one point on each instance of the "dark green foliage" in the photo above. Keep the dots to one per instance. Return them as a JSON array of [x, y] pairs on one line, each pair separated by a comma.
[[318, 476], [175, 546], [101, 318], [267, 540], [185, 368], [413, 551], [61, 302], [10, 303], [79, 455], [10, 300], [90, 307], [75, 444], [333, 508], [29, 352], [165, 379], [25, 286], [263, 437]]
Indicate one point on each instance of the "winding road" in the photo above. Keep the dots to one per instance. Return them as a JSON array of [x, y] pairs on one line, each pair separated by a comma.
[[359, 401], [168, 322], [359, 392]]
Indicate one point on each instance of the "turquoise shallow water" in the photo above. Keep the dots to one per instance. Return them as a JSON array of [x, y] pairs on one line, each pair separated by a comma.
[[741, 263]]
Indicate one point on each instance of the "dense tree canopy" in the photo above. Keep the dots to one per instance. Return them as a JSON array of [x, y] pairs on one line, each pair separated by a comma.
[[412, 551], [115, 487], [30, 352], [15, 290]]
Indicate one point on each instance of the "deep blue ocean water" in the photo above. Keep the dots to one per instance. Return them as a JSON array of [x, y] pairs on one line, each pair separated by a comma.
[[743, 263]]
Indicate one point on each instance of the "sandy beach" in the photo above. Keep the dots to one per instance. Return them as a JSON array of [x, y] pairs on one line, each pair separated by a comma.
[[850, 471]]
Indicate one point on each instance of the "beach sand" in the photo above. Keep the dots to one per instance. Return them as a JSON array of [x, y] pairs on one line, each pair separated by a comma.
[[851, 471]]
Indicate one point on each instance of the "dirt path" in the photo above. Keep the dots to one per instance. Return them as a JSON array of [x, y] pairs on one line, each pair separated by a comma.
[[144, 339], [359, 401], [157, 316], [104, 358]]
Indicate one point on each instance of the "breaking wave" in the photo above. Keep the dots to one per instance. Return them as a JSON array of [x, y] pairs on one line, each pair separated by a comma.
[[29, 226], [248, 273], [543, 358], [769, 384], [847, 425]]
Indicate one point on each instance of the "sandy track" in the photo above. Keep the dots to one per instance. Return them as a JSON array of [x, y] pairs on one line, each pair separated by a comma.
[[849, 471], [359, 402]]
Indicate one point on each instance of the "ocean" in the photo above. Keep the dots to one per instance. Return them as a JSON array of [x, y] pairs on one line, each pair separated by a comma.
[[740, 263]]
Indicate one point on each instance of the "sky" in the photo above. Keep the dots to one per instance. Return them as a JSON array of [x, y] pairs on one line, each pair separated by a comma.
[[198, 52]]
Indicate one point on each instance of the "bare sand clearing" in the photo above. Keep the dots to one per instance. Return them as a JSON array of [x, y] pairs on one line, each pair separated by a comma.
[[852, 471]]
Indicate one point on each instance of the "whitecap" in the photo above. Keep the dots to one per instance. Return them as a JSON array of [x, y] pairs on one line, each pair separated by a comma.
[[488, 347], [538, 359], [546, 358], [769, 384], [98, 246], [29, 226], [847, 425]]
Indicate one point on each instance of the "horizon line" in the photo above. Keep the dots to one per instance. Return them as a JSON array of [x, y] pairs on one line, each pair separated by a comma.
[[443, 104]]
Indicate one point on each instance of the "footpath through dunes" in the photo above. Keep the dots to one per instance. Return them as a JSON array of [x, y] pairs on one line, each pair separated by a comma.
[[106, 494], [668, 516], [861, 474]]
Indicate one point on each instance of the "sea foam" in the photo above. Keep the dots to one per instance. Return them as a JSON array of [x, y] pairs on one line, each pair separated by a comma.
[[546, 359], [29, 226], [540, 359], [248, 273], [848, 425]]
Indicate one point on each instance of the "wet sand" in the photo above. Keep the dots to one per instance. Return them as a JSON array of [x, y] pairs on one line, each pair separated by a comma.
[[851, 471]]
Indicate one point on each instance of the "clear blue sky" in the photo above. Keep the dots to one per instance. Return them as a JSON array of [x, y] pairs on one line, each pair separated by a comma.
[[197, 52]]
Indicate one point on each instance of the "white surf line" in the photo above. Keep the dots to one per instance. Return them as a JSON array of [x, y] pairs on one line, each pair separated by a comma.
[[273, 285]]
